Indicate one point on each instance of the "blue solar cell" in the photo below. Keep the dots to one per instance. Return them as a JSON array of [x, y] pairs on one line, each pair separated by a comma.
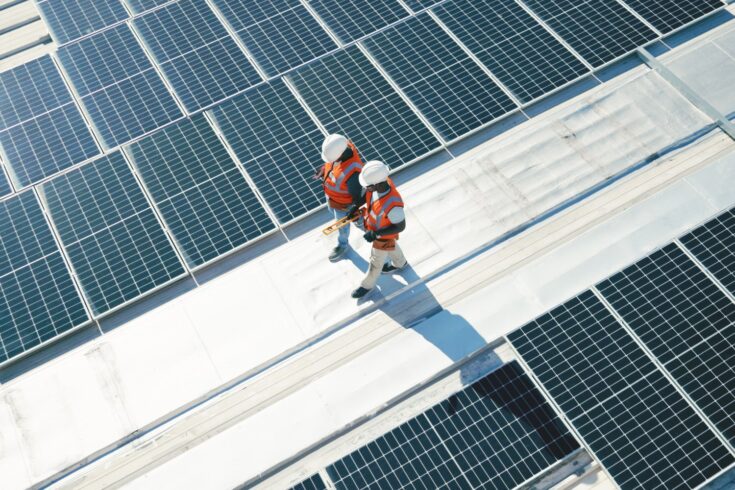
[[418, 5], [353, 19], [667, 15], [114, 240], [42, 129], [68, 20], [203, 197], [313, 483], [599, 30], [119, 88], [196, 53], [350, 96], [446, 85], [713, 244], [509, 41], [38, 299], [140, 6], [4, 185], [278, 144], [280, 34]]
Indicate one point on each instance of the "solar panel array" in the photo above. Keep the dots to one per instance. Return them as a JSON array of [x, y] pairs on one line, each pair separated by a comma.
[[495, 434], [624, 382], [274, 77]]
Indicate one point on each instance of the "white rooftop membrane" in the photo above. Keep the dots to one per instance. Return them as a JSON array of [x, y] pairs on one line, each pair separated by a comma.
[[136, 374]]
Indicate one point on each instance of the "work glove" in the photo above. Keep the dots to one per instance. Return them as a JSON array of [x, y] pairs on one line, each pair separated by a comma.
[[352, 211], [370, 236]]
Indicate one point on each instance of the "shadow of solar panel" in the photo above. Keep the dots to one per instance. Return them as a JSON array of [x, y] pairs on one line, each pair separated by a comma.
[[681, 316], [196, 53], [630, 415], [713, 244], [353, 19], [313, 483], [115, 243], [41, 129], [497, 433], [205, 200], [140, 6], [38, 299], [524, 56], [668, 302], [278, 145], [351, 97], [599, 30], [68, 20], [280, 34], [667, 15], [446, 85], [119, 88]]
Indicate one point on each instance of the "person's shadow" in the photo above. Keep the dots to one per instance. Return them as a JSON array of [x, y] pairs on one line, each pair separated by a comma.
[[418, 309]]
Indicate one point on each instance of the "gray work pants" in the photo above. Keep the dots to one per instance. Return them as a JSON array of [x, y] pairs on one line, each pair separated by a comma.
[[377, 259]]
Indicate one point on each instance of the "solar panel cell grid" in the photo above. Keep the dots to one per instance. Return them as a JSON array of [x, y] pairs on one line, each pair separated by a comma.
[[42, 130], [599, 30], [668, 302], [278, 144], [140, 6], [639, 426], [38, 299], [518, 50], [313, 483], [4, 184], [121, 91], [349, 96], [667, 15], [280, 34], [203, 197], [354, 19], [446, 85], [71, 19], [196, 53], [115, 243], [495, 434], [713, 244]]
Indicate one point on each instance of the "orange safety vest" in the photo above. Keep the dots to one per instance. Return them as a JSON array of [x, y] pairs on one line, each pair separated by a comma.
[[376, 213], [335, 179]]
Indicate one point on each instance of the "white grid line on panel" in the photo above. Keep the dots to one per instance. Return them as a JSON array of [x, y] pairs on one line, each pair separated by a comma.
[[704, 269]]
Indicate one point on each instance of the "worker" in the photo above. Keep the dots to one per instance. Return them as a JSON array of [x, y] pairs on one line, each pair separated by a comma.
[[383, 219], [340, 178]]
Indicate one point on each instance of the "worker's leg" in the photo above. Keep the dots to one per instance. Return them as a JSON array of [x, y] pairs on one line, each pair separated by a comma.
[[377, 259], [397, 258], [344, 232]]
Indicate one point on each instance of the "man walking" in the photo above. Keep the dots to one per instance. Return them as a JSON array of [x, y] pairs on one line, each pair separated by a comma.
[[340, 177], [384, 219]]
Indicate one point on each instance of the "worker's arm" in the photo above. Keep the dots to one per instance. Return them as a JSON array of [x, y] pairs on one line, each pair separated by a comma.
[[355, 189], [397, 217]]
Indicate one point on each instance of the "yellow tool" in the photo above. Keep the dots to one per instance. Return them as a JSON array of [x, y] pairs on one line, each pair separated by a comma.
[[340, 223]]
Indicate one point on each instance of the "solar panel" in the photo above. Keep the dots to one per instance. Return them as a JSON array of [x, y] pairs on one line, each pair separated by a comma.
[[41, 129], [418, 5], [353, 19], [599, 30], [4, 185], [280, 34], [446, 85], [196, 53], [202, 195], [68, 20], [119, 88], [680, 315], [313, 483], [667, 15], [713, 244], [278, 144], [497, 433], [114, 240], [632, 418], [668, 302], [140, 6], [349, 96], [524, 56], [38, 299]]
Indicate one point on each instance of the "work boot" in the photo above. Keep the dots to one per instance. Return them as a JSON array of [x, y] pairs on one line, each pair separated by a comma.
[[390, 268], [360, 292], [337, 253]]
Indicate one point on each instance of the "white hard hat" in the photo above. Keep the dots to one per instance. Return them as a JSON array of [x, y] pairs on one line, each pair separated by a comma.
[[333, 147], [374, 172]]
